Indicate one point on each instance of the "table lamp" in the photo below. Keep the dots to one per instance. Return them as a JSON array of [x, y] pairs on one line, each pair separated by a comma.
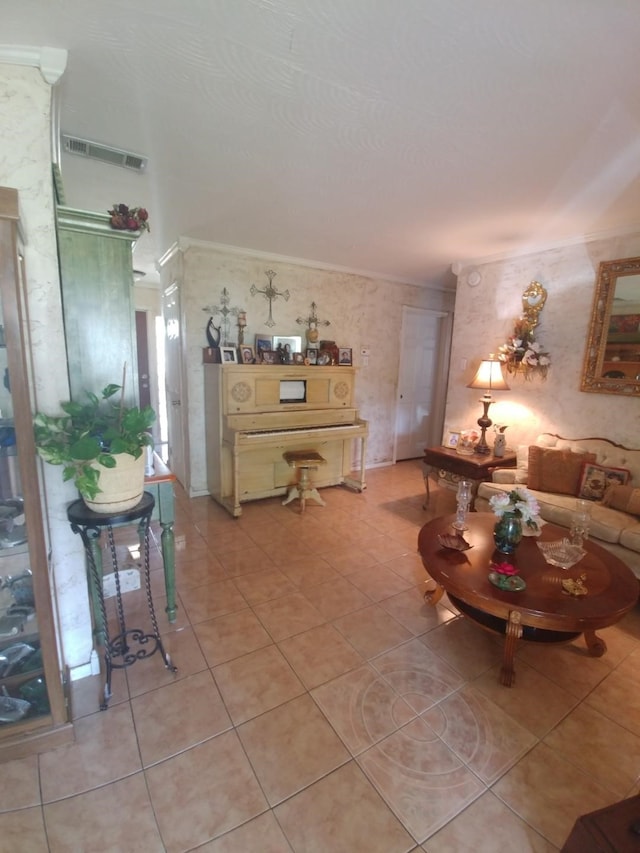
[[488, 377]]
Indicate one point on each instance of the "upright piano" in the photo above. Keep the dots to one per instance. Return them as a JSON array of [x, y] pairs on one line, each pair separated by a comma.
[[254, 413]]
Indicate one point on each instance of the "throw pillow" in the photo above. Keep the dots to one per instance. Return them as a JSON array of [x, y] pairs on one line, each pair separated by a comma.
[[556, 471], [624, 498], [596, 479]]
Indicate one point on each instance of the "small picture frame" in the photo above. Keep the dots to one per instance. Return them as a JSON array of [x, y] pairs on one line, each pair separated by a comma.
[[345, 356], [269, 356], [297, 358], [294, 342], [229, 355], [312, 356], [263, 342], [247, 354], [451, 438]]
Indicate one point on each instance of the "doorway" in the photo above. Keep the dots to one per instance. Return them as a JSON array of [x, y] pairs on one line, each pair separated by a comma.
[[422, 381]]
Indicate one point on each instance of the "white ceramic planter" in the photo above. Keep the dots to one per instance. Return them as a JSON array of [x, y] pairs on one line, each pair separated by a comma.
[[121, 487]]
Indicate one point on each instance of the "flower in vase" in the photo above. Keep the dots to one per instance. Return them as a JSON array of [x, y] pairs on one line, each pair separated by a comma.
[[504, 568], [520, 502]]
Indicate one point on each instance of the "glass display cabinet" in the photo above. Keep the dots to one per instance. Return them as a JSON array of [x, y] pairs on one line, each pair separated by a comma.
[[33, 706]]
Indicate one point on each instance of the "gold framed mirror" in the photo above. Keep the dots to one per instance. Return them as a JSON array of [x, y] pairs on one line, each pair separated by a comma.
[[612, 357]]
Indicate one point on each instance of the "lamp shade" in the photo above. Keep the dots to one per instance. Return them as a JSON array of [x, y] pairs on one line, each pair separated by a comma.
[[489, 376]]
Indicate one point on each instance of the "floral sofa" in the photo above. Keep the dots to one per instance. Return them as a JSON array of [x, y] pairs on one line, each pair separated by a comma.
[[559, 470]]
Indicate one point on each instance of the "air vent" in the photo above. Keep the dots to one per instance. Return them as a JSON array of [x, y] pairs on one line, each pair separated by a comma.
[[104, 153]]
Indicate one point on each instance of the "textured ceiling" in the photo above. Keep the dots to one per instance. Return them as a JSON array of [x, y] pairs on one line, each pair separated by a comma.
[[393, 136]]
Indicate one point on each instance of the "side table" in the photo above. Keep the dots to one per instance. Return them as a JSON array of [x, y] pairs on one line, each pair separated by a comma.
[[453, 467], [89, 525]]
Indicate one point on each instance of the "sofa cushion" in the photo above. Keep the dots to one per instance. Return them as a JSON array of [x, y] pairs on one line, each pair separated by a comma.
[[624, 498], [556, 471], [596, 479]]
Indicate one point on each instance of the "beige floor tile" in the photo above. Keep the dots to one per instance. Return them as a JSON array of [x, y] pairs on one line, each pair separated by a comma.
[[319, 655], [362, 708], [178, 716], [307, 571], [465, 647], [292, 614], [231, 636], [420, 778], [264, 585], [291, 747], [23, 831], [199, 571], [487, 739], [618, 698], [372, 631], [410, 565], [116, 817], [378, 582], [411, 610], [256, 683], [421, 677], [607, 752], [228, 793], [19, 784], [184, 652], [250, 559], [228, 540], [549, 793], [260, 834], [350, 558], [387, 548], [337, 597], [105, 749], [568, 665], [487, 826], [212, 599], [342, 813], [534, 701], [88, 693]]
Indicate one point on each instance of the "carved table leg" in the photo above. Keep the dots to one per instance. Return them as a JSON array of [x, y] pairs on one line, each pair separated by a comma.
[[433, 596], [512, 635], [595, 645]]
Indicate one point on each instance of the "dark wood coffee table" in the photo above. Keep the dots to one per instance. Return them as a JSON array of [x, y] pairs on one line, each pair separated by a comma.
[[542, 612]]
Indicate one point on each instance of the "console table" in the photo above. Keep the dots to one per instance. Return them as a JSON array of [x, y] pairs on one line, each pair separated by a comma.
[[89, 525], [452, 467], [160, 485]]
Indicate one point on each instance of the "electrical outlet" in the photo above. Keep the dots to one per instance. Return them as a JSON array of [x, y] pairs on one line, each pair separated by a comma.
[[129, 580]]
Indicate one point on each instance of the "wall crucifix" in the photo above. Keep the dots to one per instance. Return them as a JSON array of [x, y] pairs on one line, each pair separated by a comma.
[[223, 330], [312, 322], [270, 293]]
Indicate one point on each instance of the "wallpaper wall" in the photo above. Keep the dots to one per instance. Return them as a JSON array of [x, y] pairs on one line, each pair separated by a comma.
[[362, 311], [484, 316]]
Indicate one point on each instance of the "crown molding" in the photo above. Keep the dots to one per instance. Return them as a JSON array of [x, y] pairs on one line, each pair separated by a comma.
[[458, 266], [51, 61]]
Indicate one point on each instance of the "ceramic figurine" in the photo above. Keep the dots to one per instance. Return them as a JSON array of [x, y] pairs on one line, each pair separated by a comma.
[[500, 443]]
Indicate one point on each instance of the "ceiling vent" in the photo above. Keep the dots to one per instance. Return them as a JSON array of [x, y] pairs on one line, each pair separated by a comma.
[[104, 153]]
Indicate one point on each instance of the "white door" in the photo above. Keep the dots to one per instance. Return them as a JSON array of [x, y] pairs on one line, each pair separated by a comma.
[[420, 404], [176, 405]]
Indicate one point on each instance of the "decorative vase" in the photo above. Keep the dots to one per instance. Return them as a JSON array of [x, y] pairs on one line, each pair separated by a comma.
[[499, 444], [507, 533]]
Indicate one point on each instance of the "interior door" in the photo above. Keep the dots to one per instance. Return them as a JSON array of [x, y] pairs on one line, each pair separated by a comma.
[[176, 405], [142, 342], [419, 412]]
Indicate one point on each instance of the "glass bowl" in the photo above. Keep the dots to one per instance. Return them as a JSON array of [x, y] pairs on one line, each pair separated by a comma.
[[561, 553]]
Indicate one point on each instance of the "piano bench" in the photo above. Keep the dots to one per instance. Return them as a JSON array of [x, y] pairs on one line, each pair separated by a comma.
[[304, 461]]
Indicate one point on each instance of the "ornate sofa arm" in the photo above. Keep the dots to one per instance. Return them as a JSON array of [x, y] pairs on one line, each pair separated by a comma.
[[505, 475]]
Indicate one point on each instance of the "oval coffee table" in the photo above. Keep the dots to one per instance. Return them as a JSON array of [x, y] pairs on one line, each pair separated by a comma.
[[542, 612]]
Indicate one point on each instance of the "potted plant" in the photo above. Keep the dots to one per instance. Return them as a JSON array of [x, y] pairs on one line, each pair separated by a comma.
[[100, 445]]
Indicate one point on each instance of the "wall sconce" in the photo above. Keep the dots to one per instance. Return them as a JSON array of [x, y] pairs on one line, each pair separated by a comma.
[[489, 378]]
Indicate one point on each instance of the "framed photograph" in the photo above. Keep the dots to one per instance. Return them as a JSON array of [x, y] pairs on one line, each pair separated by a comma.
[[294, 343], [229, 355], [247, 355], [270, 356], [344, 355], [263, 342], [297, 358], [451, 438], [312, 356]]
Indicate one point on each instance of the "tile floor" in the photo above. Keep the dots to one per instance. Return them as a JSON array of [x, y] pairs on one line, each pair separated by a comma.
[[320, 705]]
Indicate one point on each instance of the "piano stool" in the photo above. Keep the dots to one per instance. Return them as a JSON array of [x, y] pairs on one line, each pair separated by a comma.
[[303, 461]]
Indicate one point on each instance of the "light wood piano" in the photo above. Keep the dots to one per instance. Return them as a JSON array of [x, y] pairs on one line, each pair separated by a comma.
[[254, 413]]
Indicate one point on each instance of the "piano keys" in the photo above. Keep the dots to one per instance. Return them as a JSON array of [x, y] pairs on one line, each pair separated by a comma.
[[251, 420]]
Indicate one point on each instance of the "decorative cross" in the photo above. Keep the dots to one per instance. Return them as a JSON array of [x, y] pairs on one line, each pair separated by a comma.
[[226, 312], [312, 321], [270, 293]]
